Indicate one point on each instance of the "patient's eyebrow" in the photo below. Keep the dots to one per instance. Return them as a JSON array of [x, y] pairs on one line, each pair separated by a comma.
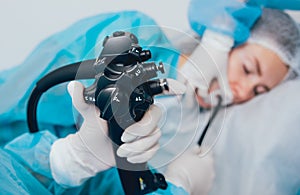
[[257, 65]]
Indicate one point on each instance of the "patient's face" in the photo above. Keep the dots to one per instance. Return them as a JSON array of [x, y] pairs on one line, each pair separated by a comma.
[[252, 70]]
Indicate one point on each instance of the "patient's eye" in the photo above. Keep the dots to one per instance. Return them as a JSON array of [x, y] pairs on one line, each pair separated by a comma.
[[259, 89], [246, 70]]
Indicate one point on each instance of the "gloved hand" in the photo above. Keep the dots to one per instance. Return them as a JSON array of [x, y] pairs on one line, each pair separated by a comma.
[[193, 171], [82, 155], [207, 63], [141, 138]]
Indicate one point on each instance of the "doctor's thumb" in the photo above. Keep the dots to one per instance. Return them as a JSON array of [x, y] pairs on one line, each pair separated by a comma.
[[75, 90]]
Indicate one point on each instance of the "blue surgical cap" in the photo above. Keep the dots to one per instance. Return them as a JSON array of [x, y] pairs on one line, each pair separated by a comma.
[[230, 17]]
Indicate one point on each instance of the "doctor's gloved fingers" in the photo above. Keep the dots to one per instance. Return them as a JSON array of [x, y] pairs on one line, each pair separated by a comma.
[[142, 145], [146, 126], [75, 90], [143, 157], [174, 87], [88, 111]]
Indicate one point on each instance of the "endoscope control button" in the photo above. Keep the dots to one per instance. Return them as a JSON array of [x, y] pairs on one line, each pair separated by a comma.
[[118, 33], [104, 41]]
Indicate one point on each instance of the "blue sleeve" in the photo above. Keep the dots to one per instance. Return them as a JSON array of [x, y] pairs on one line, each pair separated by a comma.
[[25, 164], [25, 168], [172, 189], [16, 179], [32, 151]]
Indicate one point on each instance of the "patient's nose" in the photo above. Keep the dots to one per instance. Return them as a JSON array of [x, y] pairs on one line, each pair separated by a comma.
[[241, 90]]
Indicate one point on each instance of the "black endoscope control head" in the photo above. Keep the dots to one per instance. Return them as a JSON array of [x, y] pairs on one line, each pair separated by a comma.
[[122, 48], [120, 64]]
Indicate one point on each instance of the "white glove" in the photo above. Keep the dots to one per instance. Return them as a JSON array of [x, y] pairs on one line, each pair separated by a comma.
[[141, 139], [193, 171], [82, 155], [208, 62], [79, 156]]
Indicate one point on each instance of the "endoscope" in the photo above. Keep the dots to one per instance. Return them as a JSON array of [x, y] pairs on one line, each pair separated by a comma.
[[123, 91]]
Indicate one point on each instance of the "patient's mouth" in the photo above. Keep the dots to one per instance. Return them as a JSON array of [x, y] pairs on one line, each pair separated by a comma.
[[200, 100], [203, 102], [214, 85]]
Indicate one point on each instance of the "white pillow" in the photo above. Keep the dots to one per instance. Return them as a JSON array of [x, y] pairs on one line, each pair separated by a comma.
[[258, 150]]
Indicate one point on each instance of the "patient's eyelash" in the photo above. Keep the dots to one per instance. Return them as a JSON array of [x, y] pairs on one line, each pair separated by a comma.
[[246, 70]]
